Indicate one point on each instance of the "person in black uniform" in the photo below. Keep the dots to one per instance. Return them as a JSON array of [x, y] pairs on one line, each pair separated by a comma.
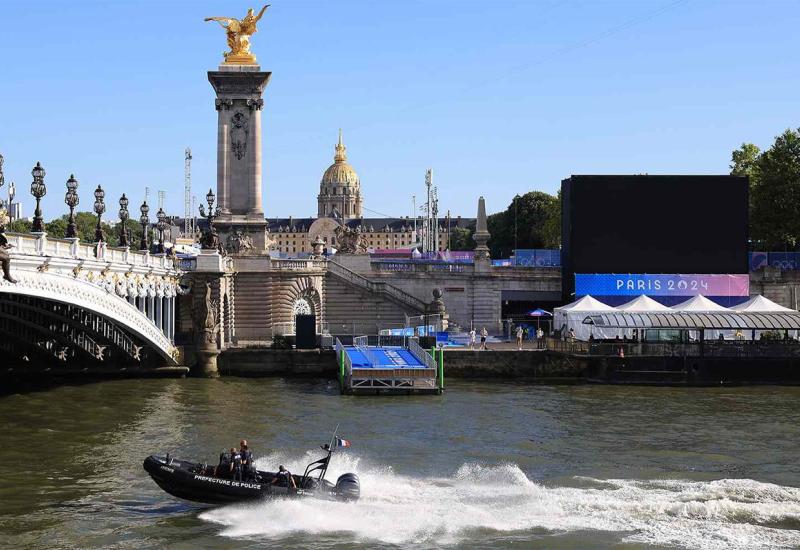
[[284, 478], [248, 466], [236, 465]]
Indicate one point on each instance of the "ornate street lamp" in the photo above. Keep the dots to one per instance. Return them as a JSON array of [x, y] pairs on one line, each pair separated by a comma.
[[72, 200], [123, 217], [38, 190], [2, 178], [145, 221], [161, 225], [99, 208], [210, 240]]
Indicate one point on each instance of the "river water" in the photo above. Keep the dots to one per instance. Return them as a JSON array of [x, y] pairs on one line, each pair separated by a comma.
[[485, 465]]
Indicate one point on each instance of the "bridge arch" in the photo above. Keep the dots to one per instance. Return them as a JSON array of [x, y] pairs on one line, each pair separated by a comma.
[[101, 301]]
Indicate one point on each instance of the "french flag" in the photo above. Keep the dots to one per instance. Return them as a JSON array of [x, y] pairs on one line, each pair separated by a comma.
[[342, 442]]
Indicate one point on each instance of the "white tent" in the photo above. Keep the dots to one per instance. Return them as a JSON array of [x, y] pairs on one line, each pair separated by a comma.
[[699, 304], [571, 316], [642, 304], [760, 304]]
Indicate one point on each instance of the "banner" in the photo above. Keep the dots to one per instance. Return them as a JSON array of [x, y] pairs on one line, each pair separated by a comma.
[[537, 257], [611, 284]]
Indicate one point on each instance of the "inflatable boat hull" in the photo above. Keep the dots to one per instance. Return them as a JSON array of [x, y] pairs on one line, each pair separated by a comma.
[[190, 481]]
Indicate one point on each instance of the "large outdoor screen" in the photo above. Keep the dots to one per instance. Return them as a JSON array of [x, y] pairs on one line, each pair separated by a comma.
[[653, 224]]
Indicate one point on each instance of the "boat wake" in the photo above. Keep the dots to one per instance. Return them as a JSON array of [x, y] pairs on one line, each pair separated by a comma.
[[487, 501]]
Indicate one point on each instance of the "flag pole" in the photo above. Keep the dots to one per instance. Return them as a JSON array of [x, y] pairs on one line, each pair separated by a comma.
[[330, 447]]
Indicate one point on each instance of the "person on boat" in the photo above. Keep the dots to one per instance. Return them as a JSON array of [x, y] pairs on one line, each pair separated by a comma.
[[284, 477], [224, 465], [248, 467], [236, 465]]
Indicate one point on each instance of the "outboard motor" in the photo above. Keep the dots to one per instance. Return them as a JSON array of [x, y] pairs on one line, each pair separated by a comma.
[[348, 487]]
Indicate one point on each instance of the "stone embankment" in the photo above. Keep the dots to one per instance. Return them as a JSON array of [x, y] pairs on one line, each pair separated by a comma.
[[540, 366]]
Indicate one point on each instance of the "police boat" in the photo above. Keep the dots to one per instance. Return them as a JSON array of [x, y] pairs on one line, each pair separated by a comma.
[[203, 483]]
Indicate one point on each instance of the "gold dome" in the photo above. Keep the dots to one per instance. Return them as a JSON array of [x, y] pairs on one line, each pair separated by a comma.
[[340, 172]]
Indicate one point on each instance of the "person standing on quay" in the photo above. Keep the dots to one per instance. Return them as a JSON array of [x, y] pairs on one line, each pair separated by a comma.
[[484, 335], [519, 338], [472, 335], [540, 338]]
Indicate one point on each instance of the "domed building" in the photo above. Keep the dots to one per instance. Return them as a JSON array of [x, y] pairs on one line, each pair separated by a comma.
[[340, 189], [340, 203]]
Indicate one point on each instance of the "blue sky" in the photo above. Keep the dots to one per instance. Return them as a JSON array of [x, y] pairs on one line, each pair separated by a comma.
[[498, 97]]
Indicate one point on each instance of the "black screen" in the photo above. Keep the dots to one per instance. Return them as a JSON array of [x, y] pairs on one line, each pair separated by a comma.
[[654, 224]]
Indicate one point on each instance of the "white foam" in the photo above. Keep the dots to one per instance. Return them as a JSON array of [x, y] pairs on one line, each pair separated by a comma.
[[397, 509]]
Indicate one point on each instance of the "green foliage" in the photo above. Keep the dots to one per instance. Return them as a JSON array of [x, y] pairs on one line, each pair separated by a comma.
[[774, 190], [19, 226], [535, 219], [461, 239], [86, 223], [279, 341]]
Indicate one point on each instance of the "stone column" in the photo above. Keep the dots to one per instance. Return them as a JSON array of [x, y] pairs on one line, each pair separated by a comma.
[[159, 313], [239, 165]]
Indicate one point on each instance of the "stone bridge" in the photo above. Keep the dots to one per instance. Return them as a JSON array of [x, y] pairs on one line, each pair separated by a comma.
[[84, 307]]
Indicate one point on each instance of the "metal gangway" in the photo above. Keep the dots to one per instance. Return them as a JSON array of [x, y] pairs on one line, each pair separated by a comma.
[[386, 366]]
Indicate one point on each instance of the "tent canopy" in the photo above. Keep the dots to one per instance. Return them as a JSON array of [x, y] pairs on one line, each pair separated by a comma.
[[644, 304], [587, 303], [699, 303], [760, 304]]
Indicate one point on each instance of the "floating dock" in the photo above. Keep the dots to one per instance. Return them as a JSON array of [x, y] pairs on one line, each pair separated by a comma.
[[375, 370]]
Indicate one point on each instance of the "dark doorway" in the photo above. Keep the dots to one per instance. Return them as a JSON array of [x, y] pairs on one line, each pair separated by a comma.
[[305, 331]]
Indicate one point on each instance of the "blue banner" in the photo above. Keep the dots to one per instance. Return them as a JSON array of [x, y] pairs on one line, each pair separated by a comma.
[[786, 261], [611, 284], [537, 257]]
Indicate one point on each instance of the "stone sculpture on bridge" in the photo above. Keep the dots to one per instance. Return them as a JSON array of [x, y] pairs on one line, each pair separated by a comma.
[[239, 32], [349, 241], [239, 243]]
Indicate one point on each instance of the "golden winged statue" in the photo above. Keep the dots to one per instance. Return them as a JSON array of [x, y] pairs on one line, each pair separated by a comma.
[[239, 33]]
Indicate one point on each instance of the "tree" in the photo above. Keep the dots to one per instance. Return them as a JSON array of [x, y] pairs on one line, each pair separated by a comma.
[[528, 222], [775, 196], [20, 226], [744, 162], [461, 239]]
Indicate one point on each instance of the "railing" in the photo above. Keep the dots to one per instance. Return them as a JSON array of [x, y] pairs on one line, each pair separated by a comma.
[[378, 287], [298, 264], [361, 343], [409, 266], [709, 348], [422, 356], [43, 245]]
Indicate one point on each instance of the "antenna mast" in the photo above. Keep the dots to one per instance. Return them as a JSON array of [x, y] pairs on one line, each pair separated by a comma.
[[187, 194]]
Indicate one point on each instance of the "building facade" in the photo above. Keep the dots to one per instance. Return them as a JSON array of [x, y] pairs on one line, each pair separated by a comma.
[[341, 202]]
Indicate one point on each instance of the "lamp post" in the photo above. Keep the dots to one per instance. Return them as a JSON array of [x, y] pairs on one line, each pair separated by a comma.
[[210, 240], [38, 190], [71, 199], [516, 198], [99, 208], [145, 221], [161, 226], [2, 179], [123, 217]]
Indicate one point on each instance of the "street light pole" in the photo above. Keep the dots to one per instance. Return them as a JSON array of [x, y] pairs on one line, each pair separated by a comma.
[[38, 190], [99, 208], [71, 199], [144, 219], [123, 217]]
